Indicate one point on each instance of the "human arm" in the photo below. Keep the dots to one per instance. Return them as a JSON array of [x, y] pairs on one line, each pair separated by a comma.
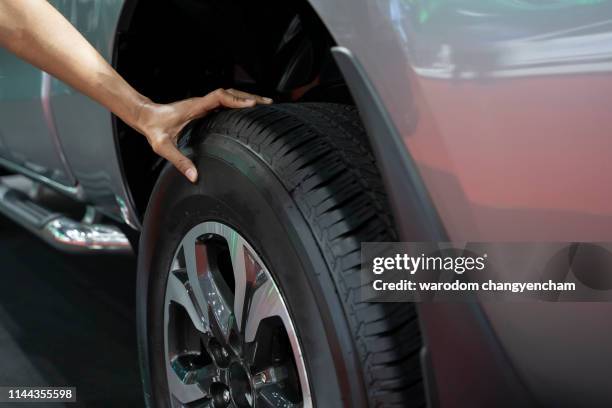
[[36, 32]]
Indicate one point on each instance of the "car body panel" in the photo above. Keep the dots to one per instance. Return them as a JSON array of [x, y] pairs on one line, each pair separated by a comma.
[[504, 107], [86, 128], [25, 135], [51, 129], [478, 89]]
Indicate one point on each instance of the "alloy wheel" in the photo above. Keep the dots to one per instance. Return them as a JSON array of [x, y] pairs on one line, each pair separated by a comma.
[[229, 338]]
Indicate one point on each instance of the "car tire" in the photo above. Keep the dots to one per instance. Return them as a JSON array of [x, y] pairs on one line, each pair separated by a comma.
[[299, 183]]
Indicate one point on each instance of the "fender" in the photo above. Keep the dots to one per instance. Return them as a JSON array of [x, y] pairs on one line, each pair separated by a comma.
[[418, 220]]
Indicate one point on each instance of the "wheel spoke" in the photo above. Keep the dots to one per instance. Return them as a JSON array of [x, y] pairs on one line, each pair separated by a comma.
[[265, 302], [189, 382], [194, 265], [241, 274], [179, 290], [248, 275], [213, 292], [219, 307], [250, 352], [184, 393], [188, 373]]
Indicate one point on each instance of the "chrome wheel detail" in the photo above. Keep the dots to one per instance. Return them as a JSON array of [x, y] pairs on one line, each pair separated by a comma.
[[229, 339]]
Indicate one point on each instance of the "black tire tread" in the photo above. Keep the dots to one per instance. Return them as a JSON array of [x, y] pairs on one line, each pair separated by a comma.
[[321, 155]]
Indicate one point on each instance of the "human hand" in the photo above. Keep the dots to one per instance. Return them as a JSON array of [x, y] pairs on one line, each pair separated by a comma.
[[162, 124], [38, 33]]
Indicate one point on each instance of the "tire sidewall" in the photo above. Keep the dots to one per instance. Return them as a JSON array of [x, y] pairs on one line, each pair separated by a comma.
[[238, 189]]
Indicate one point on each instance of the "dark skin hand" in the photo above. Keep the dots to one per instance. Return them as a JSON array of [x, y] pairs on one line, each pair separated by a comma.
[[36, 32]]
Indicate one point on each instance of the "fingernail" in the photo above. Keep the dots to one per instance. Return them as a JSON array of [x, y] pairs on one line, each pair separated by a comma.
[[268, 100], [192, 175]]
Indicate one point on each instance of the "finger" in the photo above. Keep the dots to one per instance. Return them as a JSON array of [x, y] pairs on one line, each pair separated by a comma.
[[259, 99], [230, 100], [170, 152], [201, 106]]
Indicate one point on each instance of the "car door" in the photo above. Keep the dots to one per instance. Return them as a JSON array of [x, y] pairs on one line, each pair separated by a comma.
[[85, 128], [51, 132], [28, 138]]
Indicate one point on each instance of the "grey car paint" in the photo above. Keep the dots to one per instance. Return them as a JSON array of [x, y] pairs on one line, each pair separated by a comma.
[[504, 107], [25, 137], [83, 144], [85, 128]]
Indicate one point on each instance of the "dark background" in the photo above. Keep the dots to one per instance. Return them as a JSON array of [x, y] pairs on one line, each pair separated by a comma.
[[67, 320]]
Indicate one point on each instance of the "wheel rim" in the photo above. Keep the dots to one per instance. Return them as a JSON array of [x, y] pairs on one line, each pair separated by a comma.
[[229, 340]]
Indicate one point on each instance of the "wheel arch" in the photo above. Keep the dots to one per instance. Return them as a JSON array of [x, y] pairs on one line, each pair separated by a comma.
[[413, 208], [409, 198]]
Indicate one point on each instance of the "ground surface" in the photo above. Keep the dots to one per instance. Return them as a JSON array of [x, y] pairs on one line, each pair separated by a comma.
[[67, 320]]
